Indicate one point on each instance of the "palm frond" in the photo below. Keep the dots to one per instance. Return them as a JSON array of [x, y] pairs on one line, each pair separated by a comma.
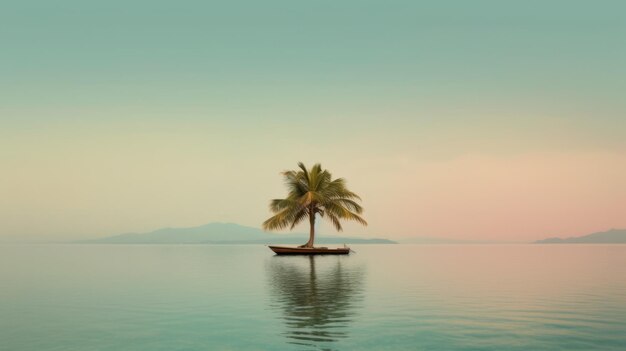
[[305, 172], [284, 219], [341, 212], [278, 205], [299, 217], [350, 205], [335, 221]]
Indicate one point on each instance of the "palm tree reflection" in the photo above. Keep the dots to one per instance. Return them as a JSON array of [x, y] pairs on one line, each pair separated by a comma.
[[317, 304]]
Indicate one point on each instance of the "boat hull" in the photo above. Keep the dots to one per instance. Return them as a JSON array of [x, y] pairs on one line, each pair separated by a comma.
[[282, 250]]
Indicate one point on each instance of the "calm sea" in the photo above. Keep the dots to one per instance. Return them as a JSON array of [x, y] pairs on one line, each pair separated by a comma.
[[385, 297]]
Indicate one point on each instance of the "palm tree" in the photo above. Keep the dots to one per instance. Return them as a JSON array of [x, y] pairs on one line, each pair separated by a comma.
[[311, 193]]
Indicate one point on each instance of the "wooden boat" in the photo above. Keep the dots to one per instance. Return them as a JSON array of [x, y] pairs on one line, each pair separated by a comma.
[[282, 250]]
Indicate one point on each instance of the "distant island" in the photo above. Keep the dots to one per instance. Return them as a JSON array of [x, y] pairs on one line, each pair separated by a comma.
[[223, 233], [613, 236]]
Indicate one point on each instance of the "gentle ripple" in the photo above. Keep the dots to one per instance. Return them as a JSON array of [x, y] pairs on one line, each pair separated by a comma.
[[387, 297]]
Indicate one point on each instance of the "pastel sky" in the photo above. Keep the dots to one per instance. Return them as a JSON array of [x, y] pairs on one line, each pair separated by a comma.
[[459, 119]]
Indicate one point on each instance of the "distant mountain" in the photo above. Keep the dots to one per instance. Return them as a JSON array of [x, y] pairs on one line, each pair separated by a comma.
[[613, 236], [224, 233]]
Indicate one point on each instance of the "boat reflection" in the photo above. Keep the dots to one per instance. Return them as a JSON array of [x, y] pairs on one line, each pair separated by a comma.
[[318, 297]]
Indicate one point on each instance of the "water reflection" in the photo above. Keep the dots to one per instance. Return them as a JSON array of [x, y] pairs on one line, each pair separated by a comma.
[[318, 297]]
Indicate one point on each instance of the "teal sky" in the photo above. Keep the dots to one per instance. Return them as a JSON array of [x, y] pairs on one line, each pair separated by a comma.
[[481, 119]]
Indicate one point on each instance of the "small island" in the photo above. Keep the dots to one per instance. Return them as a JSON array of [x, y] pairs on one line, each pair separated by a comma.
[[313, 193], [613, 236]]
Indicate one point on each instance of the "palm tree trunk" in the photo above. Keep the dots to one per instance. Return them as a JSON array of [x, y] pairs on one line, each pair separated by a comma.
[[311, 230]]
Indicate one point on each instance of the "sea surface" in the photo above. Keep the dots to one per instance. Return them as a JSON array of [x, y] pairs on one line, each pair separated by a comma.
[[384, 297]]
